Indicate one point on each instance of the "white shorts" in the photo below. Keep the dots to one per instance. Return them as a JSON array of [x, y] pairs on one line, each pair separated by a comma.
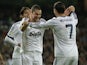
[[66, 61], [16, 61], [32, 58]]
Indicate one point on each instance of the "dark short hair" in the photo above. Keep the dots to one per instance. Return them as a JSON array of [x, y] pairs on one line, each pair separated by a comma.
[[23, 9], [59, 6], [35, 7]]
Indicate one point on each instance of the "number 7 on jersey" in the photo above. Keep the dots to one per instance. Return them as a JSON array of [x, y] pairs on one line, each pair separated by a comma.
[[71, 29]]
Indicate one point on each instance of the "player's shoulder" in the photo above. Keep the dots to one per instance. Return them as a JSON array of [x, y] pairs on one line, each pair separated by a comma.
[[54, 18], [18, 22], [42, 20], [15, 24], [59, 19]]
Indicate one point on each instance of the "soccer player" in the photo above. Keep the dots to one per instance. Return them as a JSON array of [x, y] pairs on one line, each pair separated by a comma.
[[14, 37], [33, 39], [64, 31]]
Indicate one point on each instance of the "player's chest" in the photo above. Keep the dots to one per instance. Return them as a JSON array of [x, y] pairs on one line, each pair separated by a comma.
[[32, 32]]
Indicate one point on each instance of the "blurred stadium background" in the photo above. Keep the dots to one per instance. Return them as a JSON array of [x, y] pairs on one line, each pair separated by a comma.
[[9, 13]]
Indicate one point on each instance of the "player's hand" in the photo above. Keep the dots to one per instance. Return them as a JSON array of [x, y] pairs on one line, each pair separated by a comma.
[[25, 23], [69, 10]]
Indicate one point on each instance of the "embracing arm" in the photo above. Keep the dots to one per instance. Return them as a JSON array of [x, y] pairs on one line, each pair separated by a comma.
[[24, 23], [48, 24]]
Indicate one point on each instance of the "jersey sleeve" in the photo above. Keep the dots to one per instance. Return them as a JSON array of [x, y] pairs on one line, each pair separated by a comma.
[[10, 37], [48, 24], [12, 31], [74, 16], [10, 40]]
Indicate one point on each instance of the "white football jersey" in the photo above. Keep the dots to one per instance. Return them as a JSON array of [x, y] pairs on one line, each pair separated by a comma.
[[64, 31], [15, 33], [32, 38], [14, 36]]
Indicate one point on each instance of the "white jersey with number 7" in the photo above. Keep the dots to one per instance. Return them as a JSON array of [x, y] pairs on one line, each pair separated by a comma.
[[64, 31]]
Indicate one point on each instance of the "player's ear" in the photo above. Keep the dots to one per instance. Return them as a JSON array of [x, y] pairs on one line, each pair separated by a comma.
[[54, 10]]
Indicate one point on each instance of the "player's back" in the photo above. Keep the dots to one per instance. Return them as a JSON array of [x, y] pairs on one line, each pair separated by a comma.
[[65, 29], [65, 36]]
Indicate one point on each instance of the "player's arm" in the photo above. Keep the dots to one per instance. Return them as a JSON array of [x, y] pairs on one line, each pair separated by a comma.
[[24, 23], [9, 39], [47, 24], [10, 36], [72, 13], [71, 10]]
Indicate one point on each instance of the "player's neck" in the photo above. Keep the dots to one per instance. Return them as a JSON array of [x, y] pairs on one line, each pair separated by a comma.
[[35, 20], [58, 15]]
